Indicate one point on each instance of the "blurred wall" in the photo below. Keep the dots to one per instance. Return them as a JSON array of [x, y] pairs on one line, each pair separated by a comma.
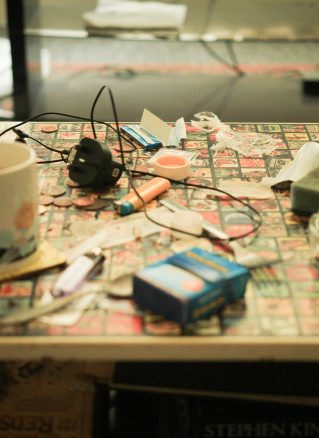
[[264, 18], [220, 18], [2, 14]]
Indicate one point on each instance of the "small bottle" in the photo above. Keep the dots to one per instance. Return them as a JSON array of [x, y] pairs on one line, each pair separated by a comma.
[[147, 191]]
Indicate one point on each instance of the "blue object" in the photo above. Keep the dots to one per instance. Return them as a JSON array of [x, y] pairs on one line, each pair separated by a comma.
[[124, 208], [189, 286], [140, 137]]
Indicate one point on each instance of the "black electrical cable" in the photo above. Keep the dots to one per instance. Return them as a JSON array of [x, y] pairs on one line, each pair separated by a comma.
[[71, 116], [92, 111], [130, 172], [63, 152], [50, 161], [22, 135], [201, 186], [117, 124]]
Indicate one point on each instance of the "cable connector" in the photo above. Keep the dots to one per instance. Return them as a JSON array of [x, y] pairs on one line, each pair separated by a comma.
[[20, 133]]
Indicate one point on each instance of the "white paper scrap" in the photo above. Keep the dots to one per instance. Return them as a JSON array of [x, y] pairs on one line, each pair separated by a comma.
[[246, 189], [71, 314], [306, 160], [121, 14], [168, 135], [156, 126]]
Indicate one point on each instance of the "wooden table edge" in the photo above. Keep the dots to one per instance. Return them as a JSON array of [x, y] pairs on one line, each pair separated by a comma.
[[160, 348]]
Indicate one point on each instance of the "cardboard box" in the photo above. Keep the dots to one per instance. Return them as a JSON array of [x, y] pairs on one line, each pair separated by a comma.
[[190, 285], [140, 137]]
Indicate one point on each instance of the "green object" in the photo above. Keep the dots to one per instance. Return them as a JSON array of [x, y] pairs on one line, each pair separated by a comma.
[[305, 194]]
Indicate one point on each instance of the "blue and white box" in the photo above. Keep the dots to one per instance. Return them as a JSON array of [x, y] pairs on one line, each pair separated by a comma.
[[189, 286], [140, 137]]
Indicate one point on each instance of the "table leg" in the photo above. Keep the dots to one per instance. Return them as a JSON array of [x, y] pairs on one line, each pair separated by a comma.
[[15, 18]]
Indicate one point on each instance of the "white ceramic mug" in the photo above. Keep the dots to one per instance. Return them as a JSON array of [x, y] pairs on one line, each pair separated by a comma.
[[18, 203]]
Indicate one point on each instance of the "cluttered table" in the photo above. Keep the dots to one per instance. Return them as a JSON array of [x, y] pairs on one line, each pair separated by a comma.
[[277, 319]]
